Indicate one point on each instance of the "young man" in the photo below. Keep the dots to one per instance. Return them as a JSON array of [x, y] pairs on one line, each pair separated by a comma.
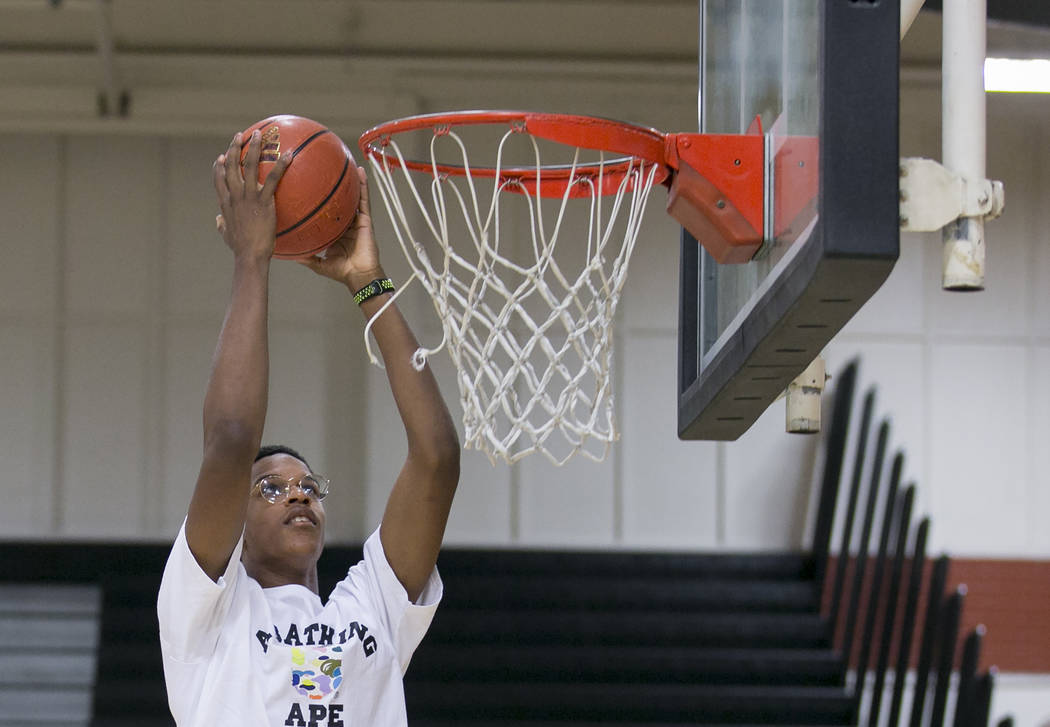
[[245, 637]]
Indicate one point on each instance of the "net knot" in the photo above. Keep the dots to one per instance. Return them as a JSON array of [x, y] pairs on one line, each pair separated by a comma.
[[419, 359]]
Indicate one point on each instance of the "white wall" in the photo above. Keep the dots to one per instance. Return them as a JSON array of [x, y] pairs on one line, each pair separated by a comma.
[[114, 283]]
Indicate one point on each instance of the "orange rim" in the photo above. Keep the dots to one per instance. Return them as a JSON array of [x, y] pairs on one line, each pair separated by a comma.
[[635, 143]]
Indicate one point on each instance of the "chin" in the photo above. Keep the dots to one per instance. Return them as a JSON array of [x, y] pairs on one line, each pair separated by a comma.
[[304, 544]]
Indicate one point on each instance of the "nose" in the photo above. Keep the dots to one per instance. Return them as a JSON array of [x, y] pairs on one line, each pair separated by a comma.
[[296, 493]]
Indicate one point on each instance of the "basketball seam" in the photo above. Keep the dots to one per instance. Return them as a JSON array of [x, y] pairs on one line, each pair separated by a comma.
[[315, 210], [308, 139]]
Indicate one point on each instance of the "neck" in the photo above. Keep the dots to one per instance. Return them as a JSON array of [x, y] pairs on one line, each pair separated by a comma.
[[271, 575]]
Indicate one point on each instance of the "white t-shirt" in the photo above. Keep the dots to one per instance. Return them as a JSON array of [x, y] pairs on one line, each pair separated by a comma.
[[239, 655]]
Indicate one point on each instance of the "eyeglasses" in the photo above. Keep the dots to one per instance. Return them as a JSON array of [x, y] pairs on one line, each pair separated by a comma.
[[274, 488]]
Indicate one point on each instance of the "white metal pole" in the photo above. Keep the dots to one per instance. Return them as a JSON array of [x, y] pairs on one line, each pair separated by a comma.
[[963, 130], [802, 409]]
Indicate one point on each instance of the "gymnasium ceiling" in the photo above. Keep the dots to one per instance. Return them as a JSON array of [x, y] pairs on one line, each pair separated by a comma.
[[53, 55]]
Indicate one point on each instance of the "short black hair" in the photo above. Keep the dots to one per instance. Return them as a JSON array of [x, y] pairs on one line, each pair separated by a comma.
[[268, 450]]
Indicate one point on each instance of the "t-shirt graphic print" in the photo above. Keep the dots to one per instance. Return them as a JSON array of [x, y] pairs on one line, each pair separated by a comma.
[[316, 673]]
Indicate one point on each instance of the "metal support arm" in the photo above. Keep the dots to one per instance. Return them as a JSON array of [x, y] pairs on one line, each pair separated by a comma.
[[931, 196]]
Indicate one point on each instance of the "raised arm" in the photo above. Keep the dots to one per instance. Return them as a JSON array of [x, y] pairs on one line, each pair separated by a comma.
[[235, 402], [419, 503]]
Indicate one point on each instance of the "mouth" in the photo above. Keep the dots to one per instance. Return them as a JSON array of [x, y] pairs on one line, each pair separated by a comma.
[[301, 517]]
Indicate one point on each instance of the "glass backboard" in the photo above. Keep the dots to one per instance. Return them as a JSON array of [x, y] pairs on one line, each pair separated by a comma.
[[818, 78]]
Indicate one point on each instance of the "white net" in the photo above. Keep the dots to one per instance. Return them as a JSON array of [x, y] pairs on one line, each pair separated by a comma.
[[528, 321]]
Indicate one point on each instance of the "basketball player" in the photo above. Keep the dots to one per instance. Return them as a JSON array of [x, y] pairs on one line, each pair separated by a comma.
[[245, 636]]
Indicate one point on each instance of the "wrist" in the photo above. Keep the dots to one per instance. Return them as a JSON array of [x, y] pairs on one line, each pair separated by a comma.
[[359, 279], [251, 261]]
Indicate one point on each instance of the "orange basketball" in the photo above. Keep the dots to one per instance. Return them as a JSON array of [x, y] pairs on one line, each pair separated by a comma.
[[317, 197]]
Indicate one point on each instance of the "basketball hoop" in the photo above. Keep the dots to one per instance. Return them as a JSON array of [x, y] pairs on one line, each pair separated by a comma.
[[529, 323]]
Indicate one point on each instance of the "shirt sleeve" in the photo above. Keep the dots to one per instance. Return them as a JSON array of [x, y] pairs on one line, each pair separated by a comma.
[[405, 622], [191, 607]]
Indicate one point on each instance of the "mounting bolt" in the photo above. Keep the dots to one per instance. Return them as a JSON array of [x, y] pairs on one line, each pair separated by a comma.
[[686, 143], [720, 204], [903, 220], [903, 195]]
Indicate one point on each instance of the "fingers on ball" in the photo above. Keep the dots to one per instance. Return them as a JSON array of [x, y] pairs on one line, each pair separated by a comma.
[[276, 172]]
